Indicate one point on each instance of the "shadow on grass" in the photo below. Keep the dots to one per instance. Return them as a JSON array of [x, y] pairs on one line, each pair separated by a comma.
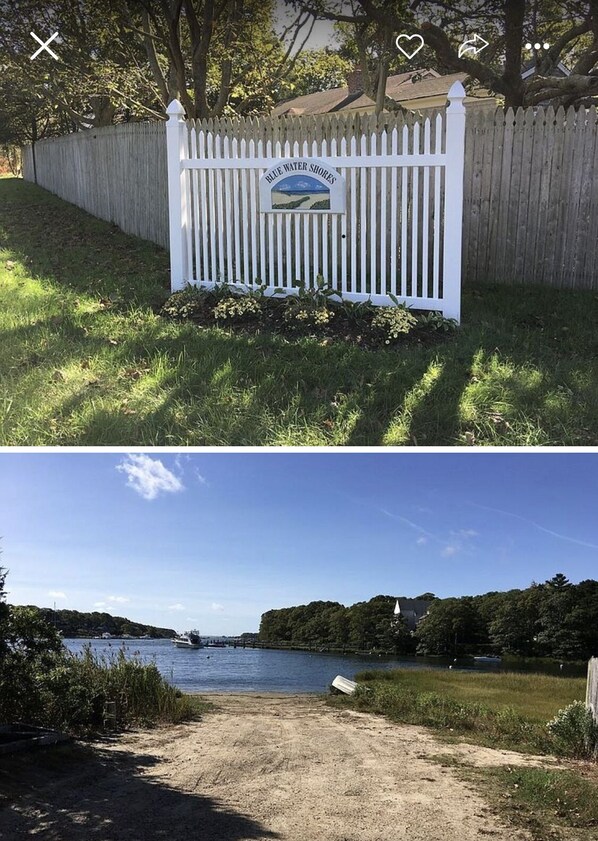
[[77, 794], [522, 369]]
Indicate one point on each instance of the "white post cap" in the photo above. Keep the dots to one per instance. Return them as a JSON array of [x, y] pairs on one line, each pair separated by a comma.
[[456, 95], [175, 112]]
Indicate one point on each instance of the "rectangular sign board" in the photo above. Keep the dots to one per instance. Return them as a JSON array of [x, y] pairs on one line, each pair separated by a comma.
[[302, 185]]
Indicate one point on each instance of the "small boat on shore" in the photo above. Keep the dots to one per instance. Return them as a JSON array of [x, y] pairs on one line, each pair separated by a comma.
[[489, 658], [344, 685], [188, 640]]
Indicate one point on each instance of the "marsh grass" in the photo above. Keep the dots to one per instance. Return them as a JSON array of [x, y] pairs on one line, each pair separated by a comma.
[[92, 691], [536, 696], [85, 359], [506, 710]]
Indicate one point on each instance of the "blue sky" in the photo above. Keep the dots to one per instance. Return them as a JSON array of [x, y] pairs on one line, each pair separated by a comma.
[[213, 540]]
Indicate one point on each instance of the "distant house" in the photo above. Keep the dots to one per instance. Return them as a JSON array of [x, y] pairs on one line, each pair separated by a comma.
[[559, 72], [412, 610], [414, 90]]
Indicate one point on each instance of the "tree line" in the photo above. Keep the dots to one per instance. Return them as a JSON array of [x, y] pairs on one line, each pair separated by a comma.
[[555, 619], [74, 623], [123, 61]]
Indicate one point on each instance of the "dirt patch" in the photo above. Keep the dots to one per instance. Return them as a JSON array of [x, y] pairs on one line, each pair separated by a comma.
[[259, 767]]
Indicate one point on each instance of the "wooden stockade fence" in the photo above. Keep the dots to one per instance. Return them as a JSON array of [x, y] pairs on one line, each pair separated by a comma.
[[530, 191], [592, 687], [531, 197], [116, 173]]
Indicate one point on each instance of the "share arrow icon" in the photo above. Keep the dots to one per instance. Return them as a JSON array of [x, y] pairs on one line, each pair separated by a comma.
[[475, 45]]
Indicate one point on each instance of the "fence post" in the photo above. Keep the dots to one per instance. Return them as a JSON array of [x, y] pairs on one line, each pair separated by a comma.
[[592, 688], [176, 149], [453, 201]]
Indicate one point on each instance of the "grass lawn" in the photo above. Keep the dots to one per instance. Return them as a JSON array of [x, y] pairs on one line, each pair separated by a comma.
[[84, 359]]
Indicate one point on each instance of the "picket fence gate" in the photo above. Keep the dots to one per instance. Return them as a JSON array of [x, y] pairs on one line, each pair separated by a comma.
[[399, 238]]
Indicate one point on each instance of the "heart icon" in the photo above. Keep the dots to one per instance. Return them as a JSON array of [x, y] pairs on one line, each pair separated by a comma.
[[418, 40]]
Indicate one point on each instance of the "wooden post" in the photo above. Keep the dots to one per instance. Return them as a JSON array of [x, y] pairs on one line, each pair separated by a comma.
[[453, 202], [592, 688], [176, 148]]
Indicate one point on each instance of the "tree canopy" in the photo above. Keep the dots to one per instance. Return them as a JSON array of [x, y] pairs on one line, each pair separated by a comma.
[[570, 28], [74, 623], [125, 60], [555, 619]]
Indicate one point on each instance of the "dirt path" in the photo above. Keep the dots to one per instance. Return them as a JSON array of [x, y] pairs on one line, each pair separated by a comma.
[[260, 767]]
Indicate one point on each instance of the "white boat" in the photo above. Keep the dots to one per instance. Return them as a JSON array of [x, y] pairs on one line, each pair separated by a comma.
[[488, 659], [344, 685], [188, 640]]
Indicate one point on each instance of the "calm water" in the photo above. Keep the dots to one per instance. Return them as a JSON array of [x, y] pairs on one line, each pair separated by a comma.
[[255, 670]]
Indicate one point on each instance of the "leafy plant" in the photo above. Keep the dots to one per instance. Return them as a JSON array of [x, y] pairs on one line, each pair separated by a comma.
[[310, 306], [393, 322], [358, 313], [436, 321], [318, 295]]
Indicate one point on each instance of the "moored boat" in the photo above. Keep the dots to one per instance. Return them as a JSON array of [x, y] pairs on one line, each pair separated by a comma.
[[488, 659], [189, 640]]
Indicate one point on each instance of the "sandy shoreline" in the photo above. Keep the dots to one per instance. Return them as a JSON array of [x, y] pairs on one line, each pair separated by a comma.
[[261, 766]]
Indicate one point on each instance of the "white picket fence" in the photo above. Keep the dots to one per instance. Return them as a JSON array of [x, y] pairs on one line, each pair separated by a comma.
[[400, 236]]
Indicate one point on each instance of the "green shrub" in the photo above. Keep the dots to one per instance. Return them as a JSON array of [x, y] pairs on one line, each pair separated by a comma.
[[392, 323], [575, 731], [358, 313], [435, 321], [238, 308]]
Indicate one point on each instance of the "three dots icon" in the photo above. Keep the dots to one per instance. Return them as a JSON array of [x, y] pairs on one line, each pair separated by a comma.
[[537, 46]]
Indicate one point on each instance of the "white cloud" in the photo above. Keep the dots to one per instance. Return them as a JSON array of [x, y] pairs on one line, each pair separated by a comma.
[[148, 476], [421, 540], [118, 599], [466, 533], [201, 479], [191, 619], [176, 606], [217, 607], [57, 594], [99, 604], [449, 550]]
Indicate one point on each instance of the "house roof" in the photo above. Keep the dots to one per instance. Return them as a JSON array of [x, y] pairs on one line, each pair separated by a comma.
[[416, 84], [530, 69], [418, 606]]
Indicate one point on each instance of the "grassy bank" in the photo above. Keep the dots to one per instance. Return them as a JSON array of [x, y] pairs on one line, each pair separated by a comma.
[[551, 804], [500, 710], [85, 359]]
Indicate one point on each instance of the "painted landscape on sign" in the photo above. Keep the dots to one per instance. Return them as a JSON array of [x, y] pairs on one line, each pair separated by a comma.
[[300, 191]]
